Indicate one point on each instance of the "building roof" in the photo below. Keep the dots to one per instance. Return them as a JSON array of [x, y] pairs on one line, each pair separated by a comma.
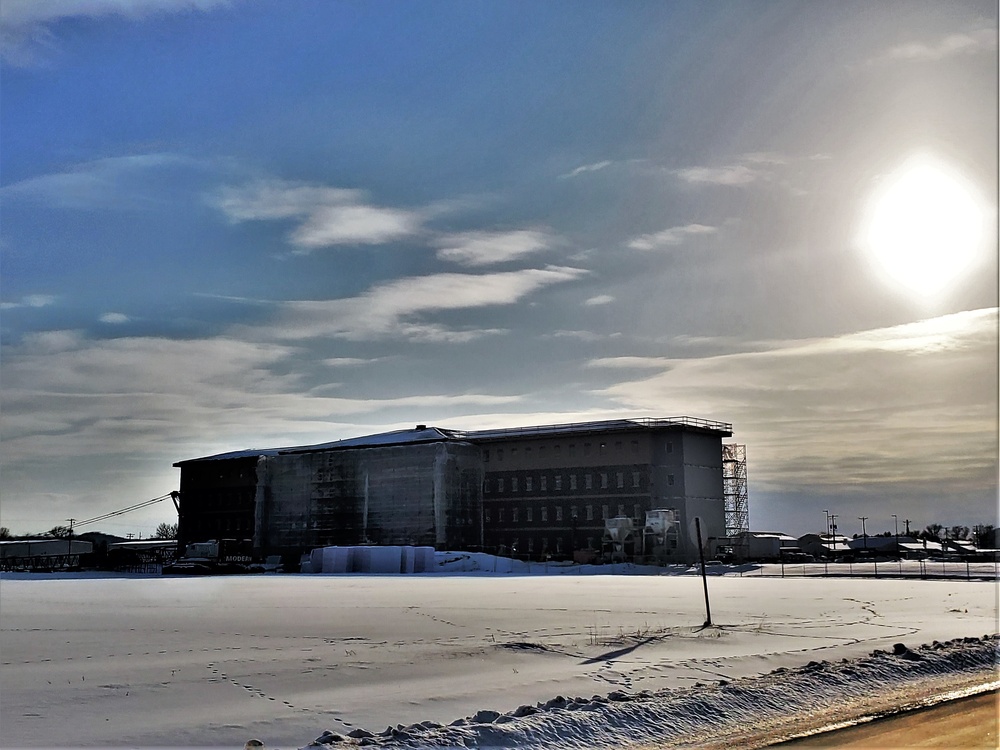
[[723, 429], [424, 434], [419, 434]]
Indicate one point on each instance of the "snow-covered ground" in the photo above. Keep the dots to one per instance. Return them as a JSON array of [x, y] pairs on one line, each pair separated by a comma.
[[165, 662]]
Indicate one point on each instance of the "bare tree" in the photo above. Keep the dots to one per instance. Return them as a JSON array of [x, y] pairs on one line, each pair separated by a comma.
[[166, 531]]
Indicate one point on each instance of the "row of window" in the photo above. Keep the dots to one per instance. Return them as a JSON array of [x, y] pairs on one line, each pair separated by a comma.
[[556, 545], [603, 480], [601, 447], [527, 514]]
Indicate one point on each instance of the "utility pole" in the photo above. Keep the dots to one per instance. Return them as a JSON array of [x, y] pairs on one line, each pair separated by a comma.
[[907, 522], [864, 533], [895, 520], [827, 523], [833, 529], [69, 539]]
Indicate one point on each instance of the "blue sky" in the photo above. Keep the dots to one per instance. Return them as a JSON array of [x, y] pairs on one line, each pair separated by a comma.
[[248, 224]]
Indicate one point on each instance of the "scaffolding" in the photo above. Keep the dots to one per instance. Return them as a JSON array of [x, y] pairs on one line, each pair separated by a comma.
[[734, 482]]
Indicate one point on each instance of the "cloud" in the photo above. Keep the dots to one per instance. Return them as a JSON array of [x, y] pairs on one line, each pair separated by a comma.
[[113, 318], [907, 404], [102, 183], [25, 33], [952, 45], [732, 175], [487, 248], [328, 216], [596, 166], [31, 300], [67, 397], [669, 237], [398, 309], [600, 299]]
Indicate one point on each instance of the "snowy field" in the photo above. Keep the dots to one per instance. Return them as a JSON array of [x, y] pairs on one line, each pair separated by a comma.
[[211, 662]]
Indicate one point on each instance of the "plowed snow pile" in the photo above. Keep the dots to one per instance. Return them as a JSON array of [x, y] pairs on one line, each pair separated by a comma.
[[149, 661]]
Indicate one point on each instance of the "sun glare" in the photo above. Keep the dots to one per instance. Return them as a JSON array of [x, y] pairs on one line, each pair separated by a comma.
[[925, 227]]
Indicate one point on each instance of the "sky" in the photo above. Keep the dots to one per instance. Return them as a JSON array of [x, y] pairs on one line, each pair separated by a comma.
[[234, 224]]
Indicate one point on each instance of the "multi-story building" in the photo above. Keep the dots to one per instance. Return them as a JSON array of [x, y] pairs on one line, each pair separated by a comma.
[[533, 491], [551, 490]]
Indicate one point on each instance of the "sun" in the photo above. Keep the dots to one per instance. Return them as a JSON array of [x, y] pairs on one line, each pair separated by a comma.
[[925, 227]]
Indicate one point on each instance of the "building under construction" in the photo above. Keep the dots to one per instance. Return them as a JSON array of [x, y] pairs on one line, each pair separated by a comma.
[[618, 489]]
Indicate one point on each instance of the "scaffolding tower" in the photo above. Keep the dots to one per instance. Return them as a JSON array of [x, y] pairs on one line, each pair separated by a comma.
[[734, 481]]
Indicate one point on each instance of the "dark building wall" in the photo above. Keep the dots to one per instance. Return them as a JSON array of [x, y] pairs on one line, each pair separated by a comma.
[[217, 500], [426, 494]]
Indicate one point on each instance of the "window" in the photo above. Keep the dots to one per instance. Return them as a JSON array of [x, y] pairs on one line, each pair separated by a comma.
[[670, 478], [635, 478], [557, 449], [531, 544], [635, 446], [513, 515], [499, 454], [499, 515], [572, 449], [558, 481], [513, 484], [513, 451], [559, 544], [486, 486], [620, 479], [527, 484], [572, 481], [500, 484], [604, 480], [604, 512], [558, 512], [670, 447], [572, 513], [545, 512], [486, 515], [621, 509], [527, 449], [618, 445], [486, 455], [588, 481], [636, 511], [544, 481], [586, 449], [527, 514], [602, 447], [590, 512]]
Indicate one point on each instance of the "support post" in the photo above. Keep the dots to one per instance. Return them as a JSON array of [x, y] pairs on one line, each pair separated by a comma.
[[704, 576]]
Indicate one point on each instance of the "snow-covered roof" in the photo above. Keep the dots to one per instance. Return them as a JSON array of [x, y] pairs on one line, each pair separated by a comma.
[[612, 425], [425, 434], [419, 434]]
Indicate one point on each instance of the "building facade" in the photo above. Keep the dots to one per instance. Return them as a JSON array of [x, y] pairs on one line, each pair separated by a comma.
[[537, 492]]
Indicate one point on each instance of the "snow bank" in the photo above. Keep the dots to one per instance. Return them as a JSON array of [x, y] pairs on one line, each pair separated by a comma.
[[769, 707]]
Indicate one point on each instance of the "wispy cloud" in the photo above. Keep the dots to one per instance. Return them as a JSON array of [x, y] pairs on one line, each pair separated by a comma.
[[600, 299], [399, 309], [488, 248], [908, 403], [669, 237], [952, 45], [327, 216], [732, 175], [68, 396], [32, 300], [595, 167], [109, 183], [25, 25]]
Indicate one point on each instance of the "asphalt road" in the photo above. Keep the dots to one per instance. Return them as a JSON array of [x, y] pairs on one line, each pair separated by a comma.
[[964, 724]]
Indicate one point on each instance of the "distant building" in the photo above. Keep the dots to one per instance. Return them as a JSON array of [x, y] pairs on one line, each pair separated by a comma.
[[534, 491]]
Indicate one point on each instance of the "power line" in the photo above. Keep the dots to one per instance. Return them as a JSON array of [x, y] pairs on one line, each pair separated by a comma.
[[114, 513]]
